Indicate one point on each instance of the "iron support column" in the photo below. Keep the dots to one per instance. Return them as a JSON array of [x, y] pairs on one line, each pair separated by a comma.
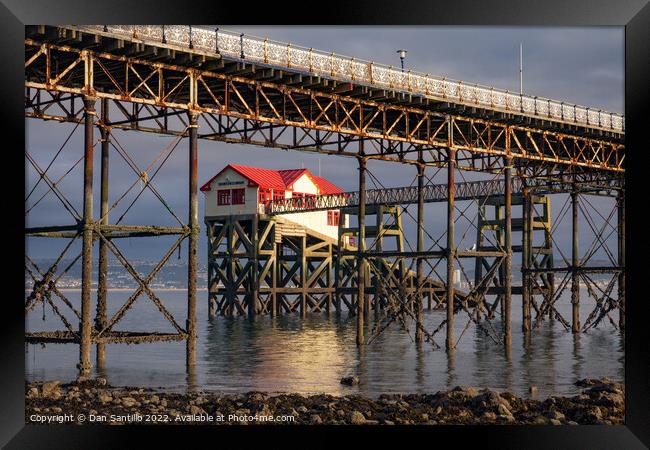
[[85, 327], [451, 250], [507, 296], [575, 263], [621, 259], [525, 262], [102, 279], [419, 336], [193, 240], [361, 247]]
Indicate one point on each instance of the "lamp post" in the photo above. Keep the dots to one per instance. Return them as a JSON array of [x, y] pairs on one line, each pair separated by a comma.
[[402, 55]]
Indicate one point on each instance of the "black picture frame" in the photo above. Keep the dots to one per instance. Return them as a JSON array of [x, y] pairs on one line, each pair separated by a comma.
[[634, 15]]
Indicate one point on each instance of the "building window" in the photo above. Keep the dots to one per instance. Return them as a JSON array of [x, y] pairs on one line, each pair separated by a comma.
[[264, 196], [238, 197], [278, 195], [223, 197], [333, 218]]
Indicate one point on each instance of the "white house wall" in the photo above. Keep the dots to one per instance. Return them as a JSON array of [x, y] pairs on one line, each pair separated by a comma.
[[230, 176], [316, 220]]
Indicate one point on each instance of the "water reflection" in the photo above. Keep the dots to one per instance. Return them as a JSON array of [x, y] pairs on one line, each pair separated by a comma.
[[289, 354]]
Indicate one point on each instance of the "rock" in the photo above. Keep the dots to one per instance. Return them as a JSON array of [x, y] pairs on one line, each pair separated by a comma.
[[302, 409], [315, 419], [556, 415], [389, 422], [533, 391], [154, 399], [611, 388], [438, 410], [491, 400], [595, 413], [468, 391], [425, 417], [104, 397], [258, 397], [56, 410], [129, 402], [340, 413], [197, 410], [32, 393], [555, 422], [357, 418], [350, 381], [489, 415], [503, 410], [49, 388], [101, 381]]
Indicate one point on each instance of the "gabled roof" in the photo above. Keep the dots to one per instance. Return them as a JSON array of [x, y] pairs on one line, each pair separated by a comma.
[[326, 187], [266, 178], [289, 176], [276, 179]]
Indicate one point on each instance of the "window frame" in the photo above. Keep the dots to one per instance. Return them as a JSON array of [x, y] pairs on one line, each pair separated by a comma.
[[238, 196], [223, 194]]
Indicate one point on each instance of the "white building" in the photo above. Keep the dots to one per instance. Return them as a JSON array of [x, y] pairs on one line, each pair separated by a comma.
[[242, 190]]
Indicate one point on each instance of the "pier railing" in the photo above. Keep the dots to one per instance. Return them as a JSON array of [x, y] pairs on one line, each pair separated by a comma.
[[470, 190], [238, 46]]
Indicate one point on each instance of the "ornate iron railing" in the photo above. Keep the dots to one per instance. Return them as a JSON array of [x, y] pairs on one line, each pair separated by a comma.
[[471, 190], [329, 65]]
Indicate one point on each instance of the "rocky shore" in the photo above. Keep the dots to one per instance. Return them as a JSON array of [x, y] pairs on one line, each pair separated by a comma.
[[94, 401]]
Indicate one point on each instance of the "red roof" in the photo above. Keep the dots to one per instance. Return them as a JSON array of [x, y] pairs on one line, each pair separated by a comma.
[[289, 176], [326, 187], [276, 179]]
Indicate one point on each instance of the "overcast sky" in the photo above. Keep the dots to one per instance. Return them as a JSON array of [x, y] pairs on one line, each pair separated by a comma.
[[576, 65]]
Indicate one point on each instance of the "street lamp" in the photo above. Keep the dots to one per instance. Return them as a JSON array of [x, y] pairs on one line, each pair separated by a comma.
[[402, 55]]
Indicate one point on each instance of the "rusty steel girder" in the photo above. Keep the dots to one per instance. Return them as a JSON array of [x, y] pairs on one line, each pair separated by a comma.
[[238, 108]]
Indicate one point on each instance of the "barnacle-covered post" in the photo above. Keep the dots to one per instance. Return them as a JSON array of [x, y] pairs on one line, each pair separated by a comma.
[[85, 328], [102, 278]]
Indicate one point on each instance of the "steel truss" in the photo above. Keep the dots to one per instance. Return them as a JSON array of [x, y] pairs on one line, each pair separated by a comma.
[[259, 264], [102, 331], [238, 106]]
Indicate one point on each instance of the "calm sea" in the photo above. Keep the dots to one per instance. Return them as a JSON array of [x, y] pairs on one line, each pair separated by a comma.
[[289, 354]]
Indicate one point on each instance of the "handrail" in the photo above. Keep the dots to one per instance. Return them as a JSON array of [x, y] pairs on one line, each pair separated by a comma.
[[296, 58], [469, 190]]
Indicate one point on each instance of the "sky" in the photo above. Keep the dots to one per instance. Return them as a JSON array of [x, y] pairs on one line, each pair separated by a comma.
[[577, 65]]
